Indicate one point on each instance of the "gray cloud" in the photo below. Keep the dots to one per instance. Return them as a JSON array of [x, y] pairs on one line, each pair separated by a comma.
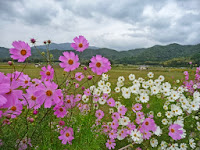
[[120, 24]]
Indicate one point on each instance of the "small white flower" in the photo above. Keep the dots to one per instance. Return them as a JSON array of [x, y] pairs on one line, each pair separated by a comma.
[[183, 146], [192, 143], [117, 89], [102, 101], [150, 74], [131, 77], [154, 142], [161, 78], [144, 98], [136, 136], [164, 121], [121, 79], [159, 114], [163, 145]]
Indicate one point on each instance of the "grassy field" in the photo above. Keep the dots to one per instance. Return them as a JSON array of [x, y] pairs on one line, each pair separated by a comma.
[[171, 75]]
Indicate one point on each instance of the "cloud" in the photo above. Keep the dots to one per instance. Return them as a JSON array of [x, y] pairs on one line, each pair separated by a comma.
[[120, 24]]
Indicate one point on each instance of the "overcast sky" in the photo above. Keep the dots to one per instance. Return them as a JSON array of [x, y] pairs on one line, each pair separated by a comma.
[[117, 24]]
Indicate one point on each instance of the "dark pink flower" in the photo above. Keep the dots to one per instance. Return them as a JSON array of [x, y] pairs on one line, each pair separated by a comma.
[[47, 73], [112, 134], [175, 131], [79, 76], [61, 123], [110, 144], [69, 61], [60, 111], [136, 107], [111, 102], [67, 135], [87, 92], [148, 125], [99, 114], [21, 51], [99, 64], [48, 94], [80, 43]]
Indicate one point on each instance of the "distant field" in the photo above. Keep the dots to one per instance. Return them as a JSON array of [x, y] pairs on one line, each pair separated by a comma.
[[171, 74]]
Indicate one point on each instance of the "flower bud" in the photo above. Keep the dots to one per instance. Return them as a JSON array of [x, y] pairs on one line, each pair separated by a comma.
[[89, 77], [33, 41], [35, 112], [85, 68], [10, 63], [61, 123]]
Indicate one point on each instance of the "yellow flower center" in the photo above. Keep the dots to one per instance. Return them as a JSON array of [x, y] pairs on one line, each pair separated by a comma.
[[48, 73], [13, 108], [33, 98], [172, 130], [80, 45], [98, 64], [67, 134], [23, 52], [49, 93], [70, 62]]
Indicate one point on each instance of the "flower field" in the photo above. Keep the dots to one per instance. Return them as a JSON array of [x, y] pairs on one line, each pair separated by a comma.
[[68, 106]]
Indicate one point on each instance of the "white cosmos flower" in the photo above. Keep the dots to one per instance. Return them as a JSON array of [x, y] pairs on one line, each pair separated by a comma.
[[192, 143], [108, 84], [163, 145], [198, 126], [176, 110], [154, 90], [126, 93], [169, 114], [121, 79], [106, 89], [145, 85], [124, 121], [104, 77], [183, 146], [119, 135], [136, 82], [134, 89], [164, 121], [144, 98], [102, 101], [154, 142], [117, 89], [141, 80], [158, 131], [117, 104], [174, 146], [165, 107], [150, 74], [157, 82], [159, 114], [194, 105], [175, 95], [131, 77], [166, 85], [120, 84], [101, 83], [136, 136], [85, 98], [161, 78]]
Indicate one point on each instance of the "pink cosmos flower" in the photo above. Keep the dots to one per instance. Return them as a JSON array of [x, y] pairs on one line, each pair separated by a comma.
[[114, 124], [146, 135], [130, 127], [175, 131], [106, 128], [80, 43], [110, 144], [47, 73], [111, 102], [31, 98], [115, 116], [61, 123], [60, 112], [99, 64], [95, 98], [9, 94], [48, 94], [69, 101], [21, 51], [105, 96], [24, 80], [23, 144], [69, 61], [15, 110], [148, 125], [87, 92], [122, 110], [78, 97], [99, 114], [79, 76], [136, 107], [112, 134], [67, 135]]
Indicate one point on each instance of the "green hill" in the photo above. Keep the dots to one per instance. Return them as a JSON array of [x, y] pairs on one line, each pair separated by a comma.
[[154, 55]]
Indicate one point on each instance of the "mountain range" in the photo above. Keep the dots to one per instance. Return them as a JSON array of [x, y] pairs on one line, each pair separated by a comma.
[[157, 54]]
